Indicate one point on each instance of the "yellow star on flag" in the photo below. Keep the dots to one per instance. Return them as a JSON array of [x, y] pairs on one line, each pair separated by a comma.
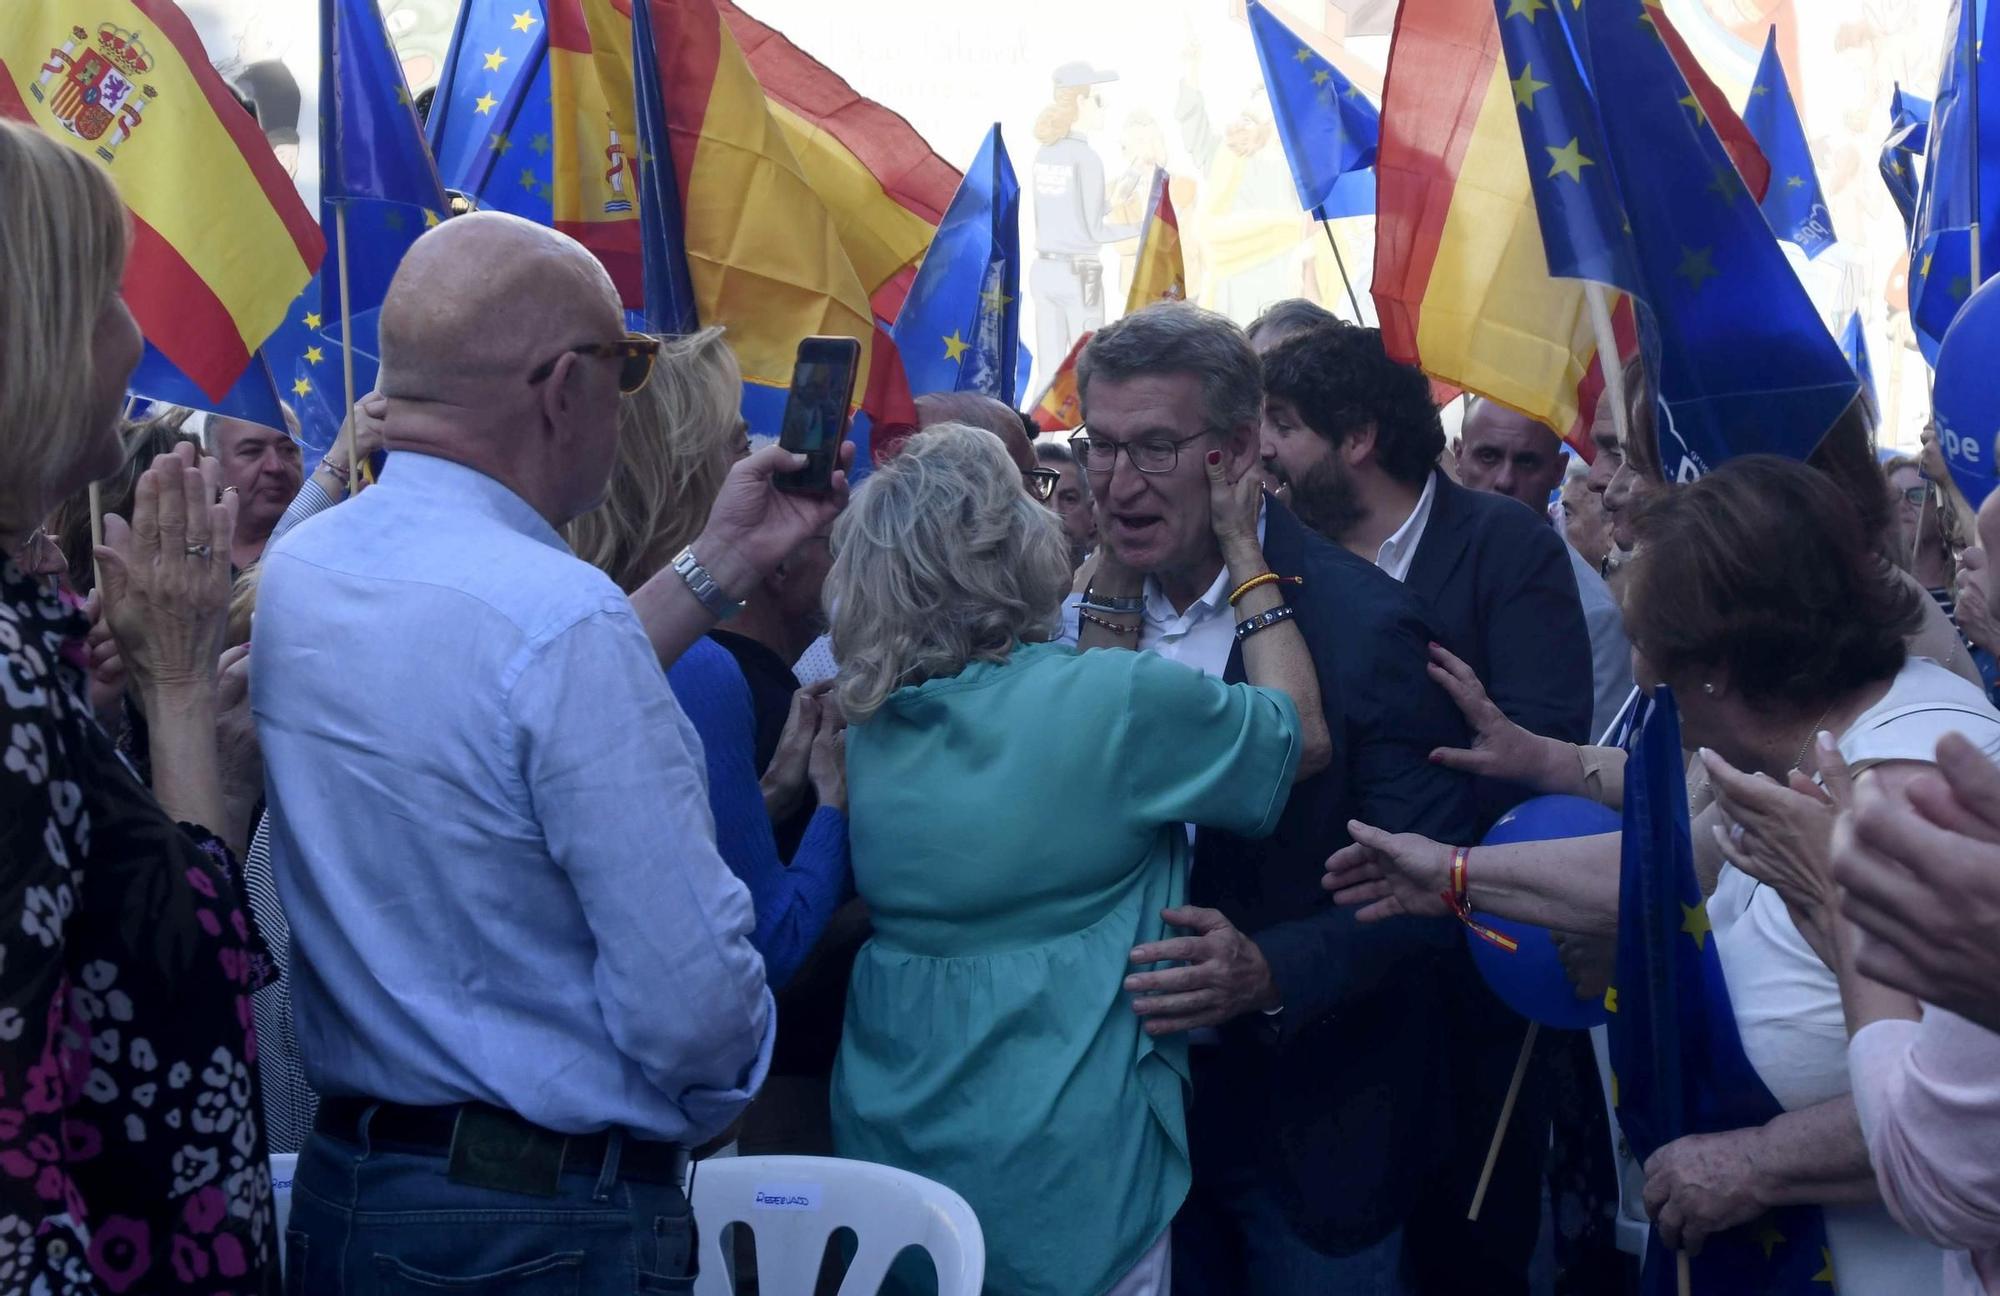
[[1611, 999], [1700, 114], [527, 178], [1795, 182], [1768, 1236], [431, 218], [403, 95], [1723, 184], [1525, 9], [485, 103], [955, 346], [494, 60], [524, 20], [501, 143], [1924, 271], [1759, 91], [312, 319], [540, 143], [1825, 1275], [1567, 160], [301, 387], [314, 355], [1304, 55], [1897, 166], [1322, 76], [1526, 87], [1695, 265], [1960, 287], [995, 299]]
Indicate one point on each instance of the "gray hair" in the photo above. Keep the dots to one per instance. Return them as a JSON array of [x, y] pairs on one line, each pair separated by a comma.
[[1293, 315], [973, 409], [940, 560], [1178, 337]]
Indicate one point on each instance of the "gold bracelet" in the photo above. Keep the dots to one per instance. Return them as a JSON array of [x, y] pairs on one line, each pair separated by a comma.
[[1268, 578], [1112, 626]]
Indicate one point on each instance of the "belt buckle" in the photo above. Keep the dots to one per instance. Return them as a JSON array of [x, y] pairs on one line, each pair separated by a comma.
[[498, 1150]]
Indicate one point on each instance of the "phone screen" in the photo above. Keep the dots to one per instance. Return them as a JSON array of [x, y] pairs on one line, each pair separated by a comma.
[[816, 409]]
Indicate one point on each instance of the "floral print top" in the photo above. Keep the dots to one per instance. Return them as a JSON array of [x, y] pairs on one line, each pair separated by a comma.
[[131, 1157]]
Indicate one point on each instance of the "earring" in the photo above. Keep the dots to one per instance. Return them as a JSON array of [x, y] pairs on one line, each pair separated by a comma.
[[1708, 689]]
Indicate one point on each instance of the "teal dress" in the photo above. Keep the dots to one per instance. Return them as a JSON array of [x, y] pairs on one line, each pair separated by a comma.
[[1016, 830]]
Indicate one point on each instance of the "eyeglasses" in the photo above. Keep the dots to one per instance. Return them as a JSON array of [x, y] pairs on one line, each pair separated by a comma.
[[1150, 455], [1915, 495], [1041, 483], [634, 353]]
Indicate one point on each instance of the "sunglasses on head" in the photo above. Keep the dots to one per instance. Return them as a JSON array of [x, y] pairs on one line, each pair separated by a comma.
[[634, 353]]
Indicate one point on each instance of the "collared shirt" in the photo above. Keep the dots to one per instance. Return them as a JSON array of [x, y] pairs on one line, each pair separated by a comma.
[[1200, 637], [489, 824], [1610, 650], [1400, 549]]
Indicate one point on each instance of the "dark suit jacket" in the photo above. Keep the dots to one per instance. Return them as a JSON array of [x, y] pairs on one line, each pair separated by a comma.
[[1329, 1099], [1498, 583]]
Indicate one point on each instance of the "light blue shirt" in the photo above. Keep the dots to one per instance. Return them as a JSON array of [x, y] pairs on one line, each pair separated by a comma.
[[490, 827]]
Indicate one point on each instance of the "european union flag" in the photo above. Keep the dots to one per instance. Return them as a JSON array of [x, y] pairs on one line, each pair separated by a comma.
[[1677, 1063], [370, 145], [1961, 189], [1794, 204], [1328, 127], [670, 305], [1909, 127], [960, 328], [489, 123], [1633, 189], [1855, 345]]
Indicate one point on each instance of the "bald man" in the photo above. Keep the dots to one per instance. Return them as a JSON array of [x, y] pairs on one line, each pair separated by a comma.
[[523, 978], [1503, 452], [1003, 421]]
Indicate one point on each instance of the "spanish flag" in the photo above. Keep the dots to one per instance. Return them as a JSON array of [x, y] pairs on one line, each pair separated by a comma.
[[1158, 273], [595, 198], [221, 243], [886, 187], [763, 246], [1462, 283], [1060, 406]]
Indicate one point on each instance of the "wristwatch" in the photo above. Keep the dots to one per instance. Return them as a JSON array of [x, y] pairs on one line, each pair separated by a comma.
[[703, 586]]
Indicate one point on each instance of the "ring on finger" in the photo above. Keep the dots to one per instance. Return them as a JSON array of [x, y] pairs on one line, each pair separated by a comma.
[[199, 550]]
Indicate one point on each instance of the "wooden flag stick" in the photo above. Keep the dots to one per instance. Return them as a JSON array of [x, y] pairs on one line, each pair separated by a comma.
[[1341, 265], [346, 334], [96, 539], [1506, 1114], [1682, 1283]]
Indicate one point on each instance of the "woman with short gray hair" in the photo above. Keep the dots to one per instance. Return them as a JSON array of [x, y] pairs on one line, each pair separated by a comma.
[[988, 1042]]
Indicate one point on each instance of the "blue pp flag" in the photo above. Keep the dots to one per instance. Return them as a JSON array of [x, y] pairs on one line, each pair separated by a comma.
[[959, 329], [1677, 1062], [1634, 190], [490, 119], [253, 399], [1961, 188], [1909, 129], [669, 291], [1328, 127], [1794, 204]]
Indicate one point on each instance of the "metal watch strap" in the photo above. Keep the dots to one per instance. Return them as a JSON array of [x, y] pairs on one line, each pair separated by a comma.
[[1112, 603], [704, 586]]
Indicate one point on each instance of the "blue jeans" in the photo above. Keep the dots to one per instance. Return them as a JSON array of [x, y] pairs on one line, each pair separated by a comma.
[[1231, 1239], [374, 1222]]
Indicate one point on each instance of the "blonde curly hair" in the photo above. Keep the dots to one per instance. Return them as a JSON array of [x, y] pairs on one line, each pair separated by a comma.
[[940, 560]]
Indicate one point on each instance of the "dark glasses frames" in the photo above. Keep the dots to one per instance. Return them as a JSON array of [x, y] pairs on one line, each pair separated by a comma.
[[1042, 483], [634, 353]]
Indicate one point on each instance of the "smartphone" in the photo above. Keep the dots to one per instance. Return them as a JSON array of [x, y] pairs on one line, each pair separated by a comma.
[[816, 410]]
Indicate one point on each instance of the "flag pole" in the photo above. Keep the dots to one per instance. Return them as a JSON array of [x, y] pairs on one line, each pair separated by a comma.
[[1599, 303], [354, 470], [1506, 1115], [1341, 264], [1683, 1283], [1972, 102]]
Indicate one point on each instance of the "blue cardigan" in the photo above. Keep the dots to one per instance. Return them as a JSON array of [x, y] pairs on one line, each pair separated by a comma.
[[793, 903]]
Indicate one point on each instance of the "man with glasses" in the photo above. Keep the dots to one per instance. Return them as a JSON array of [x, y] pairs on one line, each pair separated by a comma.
[[1003, 421], [1314, 1055], [522, 974]]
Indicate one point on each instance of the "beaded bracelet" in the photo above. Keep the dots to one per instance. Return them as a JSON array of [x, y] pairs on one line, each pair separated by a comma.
[[1263, 621], [1112, 626]]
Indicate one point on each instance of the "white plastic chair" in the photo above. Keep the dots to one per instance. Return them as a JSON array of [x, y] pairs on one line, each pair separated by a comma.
[[792, 1205], [284, 1165]]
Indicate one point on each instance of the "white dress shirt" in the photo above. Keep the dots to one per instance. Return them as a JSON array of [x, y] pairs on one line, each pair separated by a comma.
[[1398, 550]]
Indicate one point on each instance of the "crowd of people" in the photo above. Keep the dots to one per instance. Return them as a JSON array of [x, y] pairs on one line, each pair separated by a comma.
[[508, 824]]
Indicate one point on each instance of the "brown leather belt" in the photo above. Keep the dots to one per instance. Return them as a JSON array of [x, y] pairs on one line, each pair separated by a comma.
[[495, 1148]]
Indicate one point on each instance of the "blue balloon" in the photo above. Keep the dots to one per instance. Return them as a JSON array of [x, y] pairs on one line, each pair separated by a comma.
[[1966, 397], [1530, 979]]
